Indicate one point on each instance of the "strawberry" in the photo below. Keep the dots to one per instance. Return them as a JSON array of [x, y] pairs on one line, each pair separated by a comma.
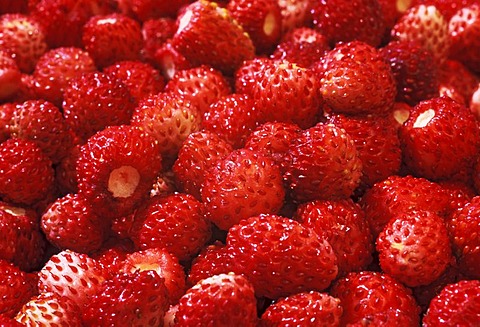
[[247, 74], [117, 168], [241, 185], [95, 100], [22, 38], [448, 8], [295, 13], [464, 32], [175, 222], [458, 304], [439, 139], [208, 34], [281, 257], [220, 300], [26, 173], [111, 38], [6, 321], [55, 68], [155, 32], [345, 21], [73, 215], [14, 6], [202, 86], [66, 172], [169, 61], [143, 10], [322, 163], [49, 309], [302, 309], [261, 19], [363, 294], [457, 81], [111, 256], [475, 102], [391, 11], [343, 225], [198, 153], [355, 79], [137, 299], [10, 76], [16, 288]]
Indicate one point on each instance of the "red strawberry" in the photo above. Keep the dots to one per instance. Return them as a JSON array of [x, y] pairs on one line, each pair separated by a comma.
[[22, 38], [143, 10], [448, 8], [208, 34], [322, 163], [458, 304], [212, 260], [261, 19], [295, 13], [457, 81], [14, 6], [365, 294], [440, 139], [26, 173], [198, 153], [345, 21], [112, 38], [117, 168], [169, 61], [391, 11], [155, 33], [220, 300], [10, 76], [111, 257], [357, 80], [6, 321], [247, 74], [343, 225], [241, 185], [66, 172], [6, 116], [302, 309], [475, 102], [95, 100]]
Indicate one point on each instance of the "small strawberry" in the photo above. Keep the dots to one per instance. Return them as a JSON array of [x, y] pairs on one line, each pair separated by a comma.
[[303, 309], [391, 11], [111, 256], [295, 13], [220, 300], [457, 304], [246, 76], [448, 8], [66, 172], [10, 76], [155, 33], [169, 61], [214, 259], [241, 185], [456, 79], [150, 9]]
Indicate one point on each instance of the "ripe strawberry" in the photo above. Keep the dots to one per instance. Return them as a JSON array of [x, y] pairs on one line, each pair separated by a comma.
[[391, 11], [112, 38], [111, 256], [343, 225], [261, 19], [364, 294], [322, 163], [26, 173], [56, 67], [49, 309], [345, 21], [295, 13], [117, 168], [169, 61], [175, 223], [201, 86], [270, 250], [457, 81], [302, 309], [198, 153], [457, 304], [6, 114], [448, 8], [66, 172], [22, 38], [73, 275], [241, 185], [220, 300], [208, 34], [10, 76], [464, 32], [155, 32], [136, 299], [143, 10], [247, 74], [95, 100], [440, 139], [357, 80]]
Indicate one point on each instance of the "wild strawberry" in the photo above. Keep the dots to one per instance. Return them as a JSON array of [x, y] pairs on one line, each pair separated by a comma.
[[247, 74], [148, 9], [155, 33], [6, 116], [464, 29], [10, 76], [111, 256], [73, 275], [214, 259], [169, 61], [198, 153], [295, 13], [220, 300], [261, 19], [93, 101], [208, 34], [26, 173], [391, 11], [241, 185], [457, 304], [66, 172], [117, 168], [22, 38], [164, 184], [174, 222], [112, 38], [303, 309], [448, 8], [322, 163], [201, 85], [457, 81], [475, 102], [345, 21], [439, 139], [49, 309], [363, 294], [56, 67], [343, 225], [136, 299]]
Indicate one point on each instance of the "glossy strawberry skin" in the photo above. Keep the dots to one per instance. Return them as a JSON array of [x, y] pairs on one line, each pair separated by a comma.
[[155, 33], [10, 77], [457, 81], [448, 8], [143, 10]]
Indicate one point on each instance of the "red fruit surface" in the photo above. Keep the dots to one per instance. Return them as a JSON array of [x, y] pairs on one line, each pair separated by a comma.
[[448, 8], [148, 9], [66, 172], [155, 33], [214, 259], [246, 76], [170, 61], [10, 76], [295, 13], [457, 81]]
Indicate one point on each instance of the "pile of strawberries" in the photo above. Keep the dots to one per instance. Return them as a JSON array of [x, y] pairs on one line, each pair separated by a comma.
[[240, 163]]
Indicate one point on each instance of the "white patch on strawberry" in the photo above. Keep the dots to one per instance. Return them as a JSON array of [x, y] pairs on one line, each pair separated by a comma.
[[123, 181], [424, 118], [184, 20]]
